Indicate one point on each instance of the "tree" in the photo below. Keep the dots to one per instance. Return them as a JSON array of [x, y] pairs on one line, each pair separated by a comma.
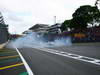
[[84, 15], [97, 2], [65, 25], [94, 16], [1, 19]]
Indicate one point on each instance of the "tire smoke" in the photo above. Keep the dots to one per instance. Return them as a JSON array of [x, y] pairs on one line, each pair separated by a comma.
[[35, 40]]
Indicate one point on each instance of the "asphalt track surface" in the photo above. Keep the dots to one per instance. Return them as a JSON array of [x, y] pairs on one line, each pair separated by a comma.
[[85, 50], [45, 63]]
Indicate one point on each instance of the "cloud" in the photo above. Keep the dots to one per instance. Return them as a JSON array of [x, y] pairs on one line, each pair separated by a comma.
[[14, 18], [22, 14]]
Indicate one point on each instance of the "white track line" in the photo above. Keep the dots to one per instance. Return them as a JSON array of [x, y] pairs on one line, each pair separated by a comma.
[[25, 63], [70, 55]]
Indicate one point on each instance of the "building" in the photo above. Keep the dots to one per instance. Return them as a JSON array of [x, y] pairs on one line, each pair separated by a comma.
[[54, 29], [4, 35], [27, 32], [49, 33], [40, 28]]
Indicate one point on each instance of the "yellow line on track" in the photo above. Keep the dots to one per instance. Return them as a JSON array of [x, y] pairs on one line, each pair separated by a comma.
[[8, 52], [5, 50], [5, 57], [11, 66]]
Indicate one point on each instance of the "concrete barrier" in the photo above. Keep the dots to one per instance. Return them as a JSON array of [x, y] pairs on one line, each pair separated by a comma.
[[3, 45]]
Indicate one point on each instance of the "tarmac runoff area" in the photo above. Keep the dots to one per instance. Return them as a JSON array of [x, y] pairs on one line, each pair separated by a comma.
[[11, 63]]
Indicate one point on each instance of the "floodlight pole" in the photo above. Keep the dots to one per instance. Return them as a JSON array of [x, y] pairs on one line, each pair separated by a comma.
[[54, 19]]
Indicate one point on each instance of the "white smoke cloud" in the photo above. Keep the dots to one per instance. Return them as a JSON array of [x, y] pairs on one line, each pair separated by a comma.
[[34, 40]]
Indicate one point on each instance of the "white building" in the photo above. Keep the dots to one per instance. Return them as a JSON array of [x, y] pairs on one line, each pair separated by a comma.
[[40, 28], [55, 29]]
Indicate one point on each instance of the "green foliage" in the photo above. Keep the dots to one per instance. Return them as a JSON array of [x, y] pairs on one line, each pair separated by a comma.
[[3, 25], [82, 17], [65, 25]]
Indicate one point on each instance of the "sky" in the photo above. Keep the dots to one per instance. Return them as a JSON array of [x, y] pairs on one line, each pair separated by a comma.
[[20, 15]]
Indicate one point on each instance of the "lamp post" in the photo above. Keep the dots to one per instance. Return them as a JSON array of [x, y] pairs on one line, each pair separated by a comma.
[[54, 19]]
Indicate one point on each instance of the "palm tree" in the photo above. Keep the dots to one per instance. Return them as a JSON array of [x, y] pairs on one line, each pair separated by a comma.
[[1, 19]]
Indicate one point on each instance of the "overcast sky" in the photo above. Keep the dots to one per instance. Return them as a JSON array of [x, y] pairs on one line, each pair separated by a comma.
[[22, 14]]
